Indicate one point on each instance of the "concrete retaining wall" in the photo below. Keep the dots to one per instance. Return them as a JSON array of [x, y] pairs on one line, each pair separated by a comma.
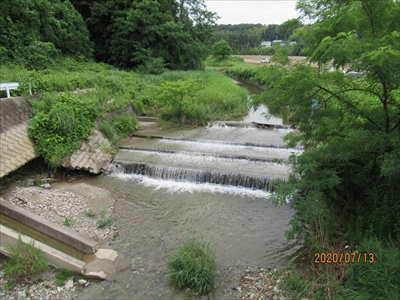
[[51, 229], [16, 148]]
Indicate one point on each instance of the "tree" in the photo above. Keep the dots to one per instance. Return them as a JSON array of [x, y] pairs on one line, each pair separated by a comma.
[[34, 32], [348, 180], [142, 33], [221, 50]]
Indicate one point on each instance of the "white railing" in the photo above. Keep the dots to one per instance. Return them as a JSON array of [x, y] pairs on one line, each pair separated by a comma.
[[7, 86]]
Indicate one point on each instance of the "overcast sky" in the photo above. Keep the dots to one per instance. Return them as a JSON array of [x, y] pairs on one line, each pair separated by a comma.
[[257, 11]]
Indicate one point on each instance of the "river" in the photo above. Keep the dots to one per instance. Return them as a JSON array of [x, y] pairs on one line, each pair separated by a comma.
[[207, 182]]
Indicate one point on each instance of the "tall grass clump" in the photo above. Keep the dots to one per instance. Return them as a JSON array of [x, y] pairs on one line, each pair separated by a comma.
[[192, 266], [379, 277], [124, 124], [24, 260]]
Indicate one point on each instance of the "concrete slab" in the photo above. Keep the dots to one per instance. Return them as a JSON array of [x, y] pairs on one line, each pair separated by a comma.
[[54, 256], [100, 265], [49, 228], [94, 155]]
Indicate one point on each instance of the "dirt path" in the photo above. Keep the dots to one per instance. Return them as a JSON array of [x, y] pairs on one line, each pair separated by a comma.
[[256, 59]]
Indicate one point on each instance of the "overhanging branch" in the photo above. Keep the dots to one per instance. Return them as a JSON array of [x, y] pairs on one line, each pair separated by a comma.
[[347, 103]]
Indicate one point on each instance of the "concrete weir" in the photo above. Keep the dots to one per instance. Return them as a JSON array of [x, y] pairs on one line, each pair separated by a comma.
[[92, 269], [48, 228]]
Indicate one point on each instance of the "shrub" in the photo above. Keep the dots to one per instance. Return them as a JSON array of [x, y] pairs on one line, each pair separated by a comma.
[[192, 266], [59, 123], [125, 124], [25, 260]]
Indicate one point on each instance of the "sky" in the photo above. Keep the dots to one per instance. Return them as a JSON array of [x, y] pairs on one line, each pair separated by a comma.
[[253, 11]]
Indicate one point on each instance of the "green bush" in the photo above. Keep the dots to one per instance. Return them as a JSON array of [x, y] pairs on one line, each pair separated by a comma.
[[25, 260], [193, 97], [59, 123], [125, 124], [192, 266]]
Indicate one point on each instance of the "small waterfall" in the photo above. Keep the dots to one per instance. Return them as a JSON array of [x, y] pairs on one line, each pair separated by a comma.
[[227, 156], [218, 142], [192, 175]]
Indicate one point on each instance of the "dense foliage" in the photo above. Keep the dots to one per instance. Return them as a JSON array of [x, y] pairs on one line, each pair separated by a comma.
[[35, 32], [149, 34], [353, 136], [191, 97], [192, 266], [345, 187], [59, 122]]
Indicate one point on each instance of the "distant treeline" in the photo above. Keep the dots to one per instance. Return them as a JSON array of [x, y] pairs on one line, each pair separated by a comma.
[[247, 38], [143, 34]]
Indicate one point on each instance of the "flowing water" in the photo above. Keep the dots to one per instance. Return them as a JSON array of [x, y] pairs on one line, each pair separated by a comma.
[[210, 182]]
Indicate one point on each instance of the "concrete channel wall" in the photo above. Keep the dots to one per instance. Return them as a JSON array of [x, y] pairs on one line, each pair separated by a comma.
[[48, 228], [16, 148], [55, 257]]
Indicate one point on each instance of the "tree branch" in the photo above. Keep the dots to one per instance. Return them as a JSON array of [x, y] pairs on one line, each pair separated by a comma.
[[347, 103]]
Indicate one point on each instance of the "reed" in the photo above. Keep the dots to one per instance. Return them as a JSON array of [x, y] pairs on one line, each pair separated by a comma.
[[192, 266]]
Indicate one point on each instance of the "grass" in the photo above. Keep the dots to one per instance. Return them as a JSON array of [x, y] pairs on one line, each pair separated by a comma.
[[355, 280], [192, 266], [104, 221], [67, 221], [59, 125], [63, 276], [24, 260], [218, 98], [378, 279]]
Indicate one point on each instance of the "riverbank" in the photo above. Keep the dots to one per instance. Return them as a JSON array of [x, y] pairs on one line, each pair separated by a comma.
[[73, 200], [79, 207]]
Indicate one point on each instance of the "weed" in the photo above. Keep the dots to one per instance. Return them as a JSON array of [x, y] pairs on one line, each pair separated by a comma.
[[24, 260], [67, 221], [375, 277], [63, 276], [125, 124], [104, 221], [107, 130], [90, 213], [192, 266]]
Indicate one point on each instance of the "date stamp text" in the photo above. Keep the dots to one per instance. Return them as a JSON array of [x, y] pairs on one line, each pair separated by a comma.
[[346, 257]]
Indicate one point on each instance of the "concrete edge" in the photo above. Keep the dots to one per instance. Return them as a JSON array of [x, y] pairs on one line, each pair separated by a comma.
[[48, 228], [54, 256]]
